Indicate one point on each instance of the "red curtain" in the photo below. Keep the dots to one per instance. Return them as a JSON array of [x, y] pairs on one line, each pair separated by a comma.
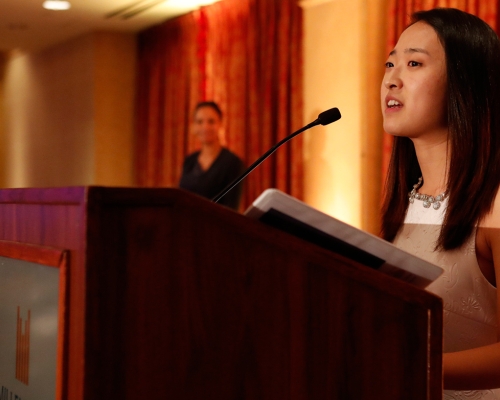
[[167, 87], [247, 56], [399, 17]]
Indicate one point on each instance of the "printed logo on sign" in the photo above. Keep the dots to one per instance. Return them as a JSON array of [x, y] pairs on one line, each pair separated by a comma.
[[23, 348], [6, 394]]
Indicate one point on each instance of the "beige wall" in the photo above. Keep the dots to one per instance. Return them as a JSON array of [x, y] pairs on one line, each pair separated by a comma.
[[3, 128], [114, 101], [343, 65], [68, 113]]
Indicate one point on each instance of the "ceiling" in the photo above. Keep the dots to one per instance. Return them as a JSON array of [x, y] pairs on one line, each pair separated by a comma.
[[26, 25]]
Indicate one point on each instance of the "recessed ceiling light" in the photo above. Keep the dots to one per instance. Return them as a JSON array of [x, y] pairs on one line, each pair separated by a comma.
[[56, 5]]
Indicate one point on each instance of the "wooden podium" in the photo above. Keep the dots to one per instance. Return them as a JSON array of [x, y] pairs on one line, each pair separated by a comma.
[[169, 296]]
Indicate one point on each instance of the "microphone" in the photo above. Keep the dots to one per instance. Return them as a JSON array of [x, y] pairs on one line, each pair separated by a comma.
[[325, 118]]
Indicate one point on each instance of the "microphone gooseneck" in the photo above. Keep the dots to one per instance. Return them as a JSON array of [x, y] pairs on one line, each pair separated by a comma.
[[325, 118]]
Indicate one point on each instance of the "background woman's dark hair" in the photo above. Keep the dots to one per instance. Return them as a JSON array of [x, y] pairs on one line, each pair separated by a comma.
[[212, 104], [472, 51]]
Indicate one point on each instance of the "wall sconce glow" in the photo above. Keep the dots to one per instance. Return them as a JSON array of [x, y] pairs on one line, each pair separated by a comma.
[[190, 3], [206, 2], [56, 5]]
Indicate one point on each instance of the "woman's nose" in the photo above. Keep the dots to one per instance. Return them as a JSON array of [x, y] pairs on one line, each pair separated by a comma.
[[392, 80]]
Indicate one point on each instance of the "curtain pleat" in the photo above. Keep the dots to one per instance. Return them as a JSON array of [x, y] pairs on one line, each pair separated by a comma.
[[167, 85]]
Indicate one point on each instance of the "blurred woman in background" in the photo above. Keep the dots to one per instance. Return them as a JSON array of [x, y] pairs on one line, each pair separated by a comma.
[[208, 171]]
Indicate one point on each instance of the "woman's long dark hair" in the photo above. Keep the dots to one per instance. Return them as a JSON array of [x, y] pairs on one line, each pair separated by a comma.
[[472, 51]]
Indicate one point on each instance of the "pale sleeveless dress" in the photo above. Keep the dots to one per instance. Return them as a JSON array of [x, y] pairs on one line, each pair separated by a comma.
[[469, 300]]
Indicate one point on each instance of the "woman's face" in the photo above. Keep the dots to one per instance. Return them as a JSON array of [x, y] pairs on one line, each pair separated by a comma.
[[413, 91], [207, 124]]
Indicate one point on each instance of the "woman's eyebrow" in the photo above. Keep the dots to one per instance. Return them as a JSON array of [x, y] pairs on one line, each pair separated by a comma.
[[411, 50]]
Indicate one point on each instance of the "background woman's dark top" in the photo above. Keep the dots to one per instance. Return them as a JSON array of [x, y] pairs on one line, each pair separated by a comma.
[[226, 167]]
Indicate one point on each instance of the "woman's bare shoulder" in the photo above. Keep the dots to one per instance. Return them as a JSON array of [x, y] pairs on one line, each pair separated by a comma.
[[492, 219], [488, 243]]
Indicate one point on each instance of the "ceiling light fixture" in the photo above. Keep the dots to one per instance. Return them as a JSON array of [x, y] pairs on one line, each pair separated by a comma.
[[56, 5]]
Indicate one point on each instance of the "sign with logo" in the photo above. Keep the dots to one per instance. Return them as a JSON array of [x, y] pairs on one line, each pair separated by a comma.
[[29, 312]]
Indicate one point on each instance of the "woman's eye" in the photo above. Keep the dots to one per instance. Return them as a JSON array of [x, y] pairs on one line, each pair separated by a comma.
[[414, 64], [388, 64]]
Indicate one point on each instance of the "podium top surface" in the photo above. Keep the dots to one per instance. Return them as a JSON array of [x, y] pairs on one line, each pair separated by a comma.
[[81, 194]]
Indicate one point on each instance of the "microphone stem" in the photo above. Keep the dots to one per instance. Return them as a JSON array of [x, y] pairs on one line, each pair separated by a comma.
[[260, 159]]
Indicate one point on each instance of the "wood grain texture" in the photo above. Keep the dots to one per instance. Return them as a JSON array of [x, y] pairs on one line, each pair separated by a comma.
[[174, 297], [48, 256]]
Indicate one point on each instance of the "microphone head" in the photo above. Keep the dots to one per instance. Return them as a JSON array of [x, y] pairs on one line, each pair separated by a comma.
[[329, 116]]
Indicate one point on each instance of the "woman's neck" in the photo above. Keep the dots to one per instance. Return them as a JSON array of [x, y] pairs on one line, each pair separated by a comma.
[[211, 149], [434, 163], [208, 153]]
